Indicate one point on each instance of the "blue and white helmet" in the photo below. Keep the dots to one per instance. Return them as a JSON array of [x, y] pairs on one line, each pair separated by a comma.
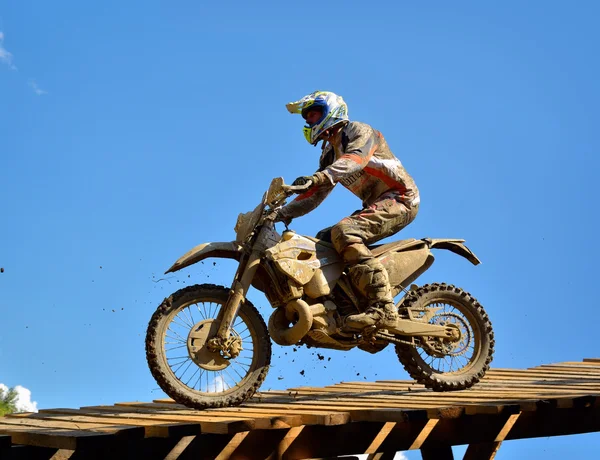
[[334, 110]]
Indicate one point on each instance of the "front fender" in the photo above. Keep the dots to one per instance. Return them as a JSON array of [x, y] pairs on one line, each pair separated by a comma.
[[229, 250]]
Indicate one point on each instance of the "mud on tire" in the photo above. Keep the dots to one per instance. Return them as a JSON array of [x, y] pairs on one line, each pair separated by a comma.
[[164, 375], [480, 323]]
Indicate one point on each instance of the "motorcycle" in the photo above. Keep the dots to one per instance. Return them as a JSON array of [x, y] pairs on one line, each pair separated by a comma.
[[207, 345]]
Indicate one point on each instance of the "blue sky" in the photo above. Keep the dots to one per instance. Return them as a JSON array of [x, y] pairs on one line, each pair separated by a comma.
[[132, 131]]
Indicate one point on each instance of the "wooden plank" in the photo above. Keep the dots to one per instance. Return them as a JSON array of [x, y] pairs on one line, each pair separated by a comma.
[[62, 454], [422, 437], [416, 402], [153, 428], [332, 441], [315, 417], [428, 397], [508, 370], [209, 424], [493, 409], [341, 403], [120, 432], [365, 413], [57, 439], [515, 382], [594, 370], [591, 360], [265, 421], [471, 393], [507, 427], [231, 446], [577, 402], [326, 418], [482, 451], [383, 433], [286, 442], [180, 447], [547, 373], [485, 385], [579, 363], [452, 412]]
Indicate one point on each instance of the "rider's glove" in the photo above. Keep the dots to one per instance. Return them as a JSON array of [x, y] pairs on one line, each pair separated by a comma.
[[317, 179], [302, 180]]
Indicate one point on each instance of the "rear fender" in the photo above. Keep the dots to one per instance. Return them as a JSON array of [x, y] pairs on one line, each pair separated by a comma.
[[228, 250], [455, 246]]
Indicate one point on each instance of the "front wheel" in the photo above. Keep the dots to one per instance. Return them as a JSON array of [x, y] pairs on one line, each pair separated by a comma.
[[441, 364], [183, 365]]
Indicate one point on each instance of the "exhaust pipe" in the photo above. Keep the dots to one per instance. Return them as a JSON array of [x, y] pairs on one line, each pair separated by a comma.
[[279, 322]]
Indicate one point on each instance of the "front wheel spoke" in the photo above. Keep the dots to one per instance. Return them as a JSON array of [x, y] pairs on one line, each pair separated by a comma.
[[186, 369], [180, 365], [176, 341], [188, 310], [177, 334], [175, 348], [239, 328], [200, 311], [212, 384], [178, 357], [181, 317], [192, 376], [198, 381], [213, 314], [231, 378], [235, 370], [226, 386]]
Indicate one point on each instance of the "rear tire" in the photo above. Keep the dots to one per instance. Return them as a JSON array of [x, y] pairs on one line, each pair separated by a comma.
[[165, 375], [414, 358]]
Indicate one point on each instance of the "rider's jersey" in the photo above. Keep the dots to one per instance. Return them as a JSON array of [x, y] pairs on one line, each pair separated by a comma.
[[359, 158]]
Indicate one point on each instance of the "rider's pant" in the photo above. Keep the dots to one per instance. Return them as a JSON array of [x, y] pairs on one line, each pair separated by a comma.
[[386, 216]]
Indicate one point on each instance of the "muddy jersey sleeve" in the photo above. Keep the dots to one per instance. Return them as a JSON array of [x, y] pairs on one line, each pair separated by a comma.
[[359, 142], [307, 201]]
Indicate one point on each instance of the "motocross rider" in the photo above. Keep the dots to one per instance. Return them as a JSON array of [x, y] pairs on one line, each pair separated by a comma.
[[357, 156]]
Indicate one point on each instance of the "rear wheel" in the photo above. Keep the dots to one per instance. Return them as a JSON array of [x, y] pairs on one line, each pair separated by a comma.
[[443, 364], [182, 363]]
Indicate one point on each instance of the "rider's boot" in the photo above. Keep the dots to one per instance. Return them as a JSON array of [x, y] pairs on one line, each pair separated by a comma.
[[371, 278]]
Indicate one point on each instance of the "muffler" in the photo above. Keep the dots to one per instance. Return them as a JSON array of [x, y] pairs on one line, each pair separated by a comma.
[[279, 323]]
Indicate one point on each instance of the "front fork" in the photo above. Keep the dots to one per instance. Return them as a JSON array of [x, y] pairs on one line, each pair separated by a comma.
[[223, 341]]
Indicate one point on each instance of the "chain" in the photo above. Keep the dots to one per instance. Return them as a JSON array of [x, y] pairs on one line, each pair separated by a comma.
[[393, 339]]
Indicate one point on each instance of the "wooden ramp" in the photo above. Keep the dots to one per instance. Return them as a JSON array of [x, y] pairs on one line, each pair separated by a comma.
[[377, 418]]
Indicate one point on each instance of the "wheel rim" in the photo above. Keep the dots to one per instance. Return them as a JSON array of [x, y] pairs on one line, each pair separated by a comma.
[[185, 332], [446, 357]]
